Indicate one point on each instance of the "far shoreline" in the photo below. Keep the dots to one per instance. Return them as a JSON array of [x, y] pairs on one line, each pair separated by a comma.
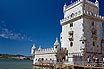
[[14, 57]]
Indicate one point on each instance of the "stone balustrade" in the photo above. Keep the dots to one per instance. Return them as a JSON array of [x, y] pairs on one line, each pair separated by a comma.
[[76, 53]]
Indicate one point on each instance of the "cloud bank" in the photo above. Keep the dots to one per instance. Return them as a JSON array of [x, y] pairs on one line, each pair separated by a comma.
[[12, 35]]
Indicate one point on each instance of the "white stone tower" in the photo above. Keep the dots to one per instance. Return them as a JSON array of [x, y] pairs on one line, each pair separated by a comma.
[[82, 31]]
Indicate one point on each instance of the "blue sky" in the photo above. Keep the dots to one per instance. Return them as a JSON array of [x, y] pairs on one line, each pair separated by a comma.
[[24, 22]]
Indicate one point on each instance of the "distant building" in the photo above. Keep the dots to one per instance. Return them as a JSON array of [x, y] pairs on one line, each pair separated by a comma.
[[81, 36]]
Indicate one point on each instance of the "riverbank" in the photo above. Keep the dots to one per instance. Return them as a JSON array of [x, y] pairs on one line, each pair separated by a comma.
[[14, 57]]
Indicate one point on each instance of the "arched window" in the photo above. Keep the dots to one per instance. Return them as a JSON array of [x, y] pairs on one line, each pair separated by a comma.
[[61, 37], [72, 15], [42, 59], [76, 14], [82, 42], [93, 43], [92, 23], [79, 12], [71, 44]]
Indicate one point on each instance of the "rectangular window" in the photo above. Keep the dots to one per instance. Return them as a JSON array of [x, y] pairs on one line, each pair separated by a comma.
[[93, 43], [71, 24]]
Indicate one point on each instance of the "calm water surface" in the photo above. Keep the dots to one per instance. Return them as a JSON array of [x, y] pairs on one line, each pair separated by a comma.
[[15, 64]]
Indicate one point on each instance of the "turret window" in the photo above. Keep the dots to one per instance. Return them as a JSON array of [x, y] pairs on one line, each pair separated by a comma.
[[56, 47]]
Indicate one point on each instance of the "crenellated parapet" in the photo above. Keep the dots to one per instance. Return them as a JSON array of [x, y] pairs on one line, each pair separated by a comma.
[[89, 2], [45, 51], [72, 5], [95, 16], [51, 50], [82, 14], [66, 8]]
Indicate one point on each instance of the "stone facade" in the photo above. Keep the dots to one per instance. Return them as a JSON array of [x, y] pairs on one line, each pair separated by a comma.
[[82, 31], [81, 34]]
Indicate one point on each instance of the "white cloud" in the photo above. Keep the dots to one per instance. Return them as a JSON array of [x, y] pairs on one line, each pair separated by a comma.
[[9, 34]]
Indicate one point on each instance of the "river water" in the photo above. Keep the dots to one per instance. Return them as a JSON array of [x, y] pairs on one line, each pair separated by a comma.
[[15, 64]]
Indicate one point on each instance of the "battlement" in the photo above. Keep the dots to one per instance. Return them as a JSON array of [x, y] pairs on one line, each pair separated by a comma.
[[77, 3], [72, 5], [45, 51], [87, 1], [80, 13], [93, 15]]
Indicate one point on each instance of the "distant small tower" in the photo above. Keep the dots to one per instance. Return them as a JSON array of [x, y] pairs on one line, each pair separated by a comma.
[[33, 49], [56, 45]]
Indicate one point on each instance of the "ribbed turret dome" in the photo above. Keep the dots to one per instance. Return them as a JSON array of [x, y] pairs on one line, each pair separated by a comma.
[[34, 47], [56, 42], [39, 48]]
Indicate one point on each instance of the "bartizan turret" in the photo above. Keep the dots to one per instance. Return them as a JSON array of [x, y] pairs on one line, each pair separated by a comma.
[[64, 8], [97, 3], [33, 50], [56, 45]]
